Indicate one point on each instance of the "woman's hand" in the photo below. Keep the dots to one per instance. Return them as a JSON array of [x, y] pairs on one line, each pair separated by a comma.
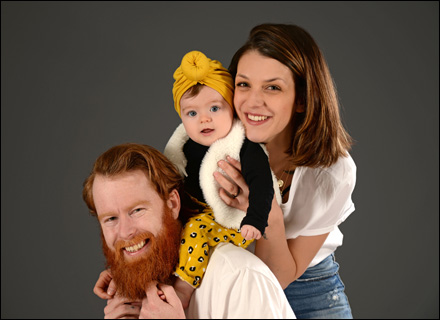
[[105, 287], [234, 193]]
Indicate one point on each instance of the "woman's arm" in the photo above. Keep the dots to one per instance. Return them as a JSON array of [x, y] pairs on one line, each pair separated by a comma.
[[288, 259]]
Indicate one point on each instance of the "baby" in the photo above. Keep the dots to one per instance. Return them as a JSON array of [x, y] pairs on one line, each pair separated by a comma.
[[203, 98]]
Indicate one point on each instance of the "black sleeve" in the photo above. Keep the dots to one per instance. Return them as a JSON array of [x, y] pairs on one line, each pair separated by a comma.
[[194, 154], [256, 171]]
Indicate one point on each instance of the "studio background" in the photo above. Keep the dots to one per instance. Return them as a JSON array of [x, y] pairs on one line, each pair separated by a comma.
[[80, 77]]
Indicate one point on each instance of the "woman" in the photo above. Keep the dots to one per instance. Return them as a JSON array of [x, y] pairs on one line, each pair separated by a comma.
[[284, 95]]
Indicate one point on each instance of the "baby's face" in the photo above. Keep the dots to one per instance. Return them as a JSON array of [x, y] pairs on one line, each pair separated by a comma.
[[207, 116]]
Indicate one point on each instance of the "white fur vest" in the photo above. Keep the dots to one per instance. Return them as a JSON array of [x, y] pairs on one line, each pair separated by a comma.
[[228, 146]]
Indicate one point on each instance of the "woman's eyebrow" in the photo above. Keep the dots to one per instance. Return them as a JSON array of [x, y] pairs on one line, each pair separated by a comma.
[[268, 80]]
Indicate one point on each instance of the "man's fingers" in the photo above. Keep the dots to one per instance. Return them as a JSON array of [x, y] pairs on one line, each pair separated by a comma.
[[102, 284], [171, 295], [152, 292], [121, 308], [111, 288]]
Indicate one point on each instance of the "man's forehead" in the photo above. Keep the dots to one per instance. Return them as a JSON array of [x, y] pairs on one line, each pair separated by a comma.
[[123, 191]]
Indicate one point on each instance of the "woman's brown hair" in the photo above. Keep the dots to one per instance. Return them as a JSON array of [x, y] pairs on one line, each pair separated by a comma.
[[129, 157], [319, 137]]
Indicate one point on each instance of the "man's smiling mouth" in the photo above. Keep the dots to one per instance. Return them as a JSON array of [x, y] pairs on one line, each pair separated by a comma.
[[136, 247]]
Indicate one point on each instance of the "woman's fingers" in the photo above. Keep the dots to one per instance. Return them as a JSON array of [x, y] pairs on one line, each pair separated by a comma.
[[235, 163], [234, 190], [233, 169]]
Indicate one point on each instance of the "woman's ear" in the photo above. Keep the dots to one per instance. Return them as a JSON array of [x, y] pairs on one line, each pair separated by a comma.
[[173, 203], [299, 106]]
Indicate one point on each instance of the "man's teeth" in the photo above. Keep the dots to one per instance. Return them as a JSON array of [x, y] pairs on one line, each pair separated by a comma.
[[257, 118], [136, 247]]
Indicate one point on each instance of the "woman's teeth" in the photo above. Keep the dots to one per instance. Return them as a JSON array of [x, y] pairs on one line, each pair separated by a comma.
[[257, 118], [136, 247]]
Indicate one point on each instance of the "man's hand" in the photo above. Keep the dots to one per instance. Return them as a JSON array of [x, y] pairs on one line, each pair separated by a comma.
[[161, 302], [122, 308], [105, 287]]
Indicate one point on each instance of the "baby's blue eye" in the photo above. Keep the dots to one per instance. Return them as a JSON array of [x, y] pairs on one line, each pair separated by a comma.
[[192, 113], [215, 109]]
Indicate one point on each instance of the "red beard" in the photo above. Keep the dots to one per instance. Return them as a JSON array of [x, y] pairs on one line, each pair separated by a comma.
[[157, 264]]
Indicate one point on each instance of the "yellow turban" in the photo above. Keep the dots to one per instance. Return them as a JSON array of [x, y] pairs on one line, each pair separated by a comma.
[[197, 68]]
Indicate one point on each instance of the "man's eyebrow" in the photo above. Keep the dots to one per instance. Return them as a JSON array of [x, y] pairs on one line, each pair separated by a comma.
[[104, 215], [131, 207]]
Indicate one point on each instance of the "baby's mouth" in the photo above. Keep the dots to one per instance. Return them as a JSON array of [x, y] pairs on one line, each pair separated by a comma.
[[207, 130]]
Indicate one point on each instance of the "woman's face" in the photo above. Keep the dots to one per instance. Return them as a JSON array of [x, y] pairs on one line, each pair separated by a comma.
[[264, 97]]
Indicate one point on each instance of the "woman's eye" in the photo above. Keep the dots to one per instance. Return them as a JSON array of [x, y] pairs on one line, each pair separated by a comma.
[[214, 109], [192, 113], [274, 88], [242, 84]]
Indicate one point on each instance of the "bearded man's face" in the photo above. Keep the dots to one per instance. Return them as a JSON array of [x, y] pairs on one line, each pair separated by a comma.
[[158, 263], [140, 232]]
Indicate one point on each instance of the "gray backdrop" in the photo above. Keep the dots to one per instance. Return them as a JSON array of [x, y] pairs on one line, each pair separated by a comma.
[[80, 77]]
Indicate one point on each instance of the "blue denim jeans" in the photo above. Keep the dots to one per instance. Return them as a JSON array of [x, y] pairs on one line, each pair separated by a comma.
[[319, 293]]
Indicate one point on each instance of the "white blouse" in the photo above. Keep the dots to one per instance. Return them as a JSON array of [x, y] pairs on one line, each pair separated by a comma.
[[319, 200]]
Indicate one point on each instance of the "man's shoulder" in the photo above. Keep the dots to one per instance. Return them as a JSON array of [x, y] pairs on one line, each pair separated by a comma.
[[229, 256], [238, 285]]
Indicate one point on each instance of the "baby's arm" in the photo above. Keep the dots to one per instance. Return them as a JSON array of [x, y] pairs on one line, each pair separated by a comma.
[[258, 175], [249, 232]]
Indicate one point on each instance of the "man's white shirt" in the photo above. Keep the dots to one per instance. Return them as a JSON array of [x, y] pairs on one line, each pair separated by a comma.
[[238, 285]]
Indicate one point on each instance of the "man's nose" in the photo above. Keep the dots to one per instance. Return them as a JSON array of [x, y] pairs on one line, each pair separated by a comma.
[[127, 228]]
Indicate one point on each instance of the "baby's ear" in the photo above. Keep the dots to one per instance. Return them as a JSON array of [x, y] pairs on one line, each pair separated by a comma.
[[173, 203]]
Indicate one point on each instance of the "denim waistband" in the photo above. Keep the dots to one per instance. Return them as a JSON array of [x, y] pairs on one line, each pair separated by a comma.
[[326, 268]]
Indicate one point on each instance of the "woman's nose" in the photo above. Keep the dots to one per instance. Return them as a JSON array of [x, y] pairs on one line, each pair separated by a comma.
[[254, 98]]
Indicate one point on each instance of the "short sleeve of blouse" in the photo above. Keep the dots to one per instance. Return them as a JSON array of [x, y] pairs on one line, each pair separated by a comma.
[[320, 198]]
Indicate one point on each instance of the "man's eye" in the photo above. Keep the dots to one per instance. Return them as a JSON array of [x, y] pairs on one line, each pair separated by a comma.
[[137, 211], [110, 219], [192, 113], [214, 109]]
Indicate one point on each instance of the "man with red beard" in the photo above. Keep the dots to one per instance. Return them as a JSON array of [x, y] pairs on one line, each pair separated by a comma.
[[134, 191]]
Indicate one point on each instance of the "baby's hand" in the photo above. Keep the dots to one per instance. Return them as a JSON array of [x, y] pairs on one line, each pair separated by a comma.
[[249, 232]]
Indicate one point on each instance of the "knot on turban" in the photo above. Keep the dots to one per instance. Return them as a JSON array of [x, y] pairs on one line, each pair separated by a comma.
[[197, 68]]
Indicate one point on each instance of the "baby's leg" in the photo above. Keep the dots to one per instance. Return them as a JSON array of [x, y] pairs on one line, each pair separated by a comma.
[[199, 235]]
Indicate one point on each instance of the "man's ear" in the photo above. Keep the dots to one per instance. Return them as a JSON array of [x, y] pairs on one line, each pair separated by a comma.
[[173, 203]]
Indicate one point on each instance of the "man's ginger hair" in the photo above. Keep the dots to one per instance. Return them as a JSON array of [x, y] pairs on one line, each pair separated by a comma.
[[128, 157]]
